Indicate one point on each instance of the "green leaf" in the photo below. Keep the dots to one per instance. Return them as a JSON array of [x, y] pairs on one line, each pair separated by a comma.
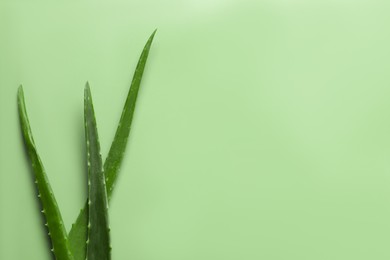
[[50, 210], [98, 243], [78, 233], [118, 146]]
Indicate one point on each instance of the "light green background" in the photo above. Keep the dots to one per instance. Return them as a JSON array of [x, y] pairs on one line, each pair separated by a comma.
[[262, 129]]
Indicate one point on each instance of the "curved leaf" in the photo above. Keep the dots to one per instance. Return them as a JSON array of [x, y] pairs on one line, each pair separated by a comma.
[[51, 212]]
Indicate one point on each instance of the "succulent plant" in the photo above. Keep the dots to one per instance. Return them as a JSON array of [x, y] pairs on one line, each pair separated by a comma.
[[89, 236]]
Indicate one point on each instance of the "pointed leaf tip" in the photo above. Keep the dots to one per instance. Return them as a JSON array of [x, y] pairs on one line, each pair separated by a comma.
[[98, 235], [78, 234], [52, 214]]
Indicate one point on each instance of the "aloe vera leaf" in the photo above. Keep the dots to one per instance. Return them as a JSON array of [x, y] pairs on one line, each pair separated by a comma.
[[118, 146], [50, 210], [98, 243], [78, 233]]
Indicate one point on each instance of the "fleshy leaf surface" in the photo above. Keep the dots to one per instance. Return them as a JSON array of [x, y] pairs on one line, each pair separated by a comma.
[[50, 210], [98, 243], [78, 233]]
